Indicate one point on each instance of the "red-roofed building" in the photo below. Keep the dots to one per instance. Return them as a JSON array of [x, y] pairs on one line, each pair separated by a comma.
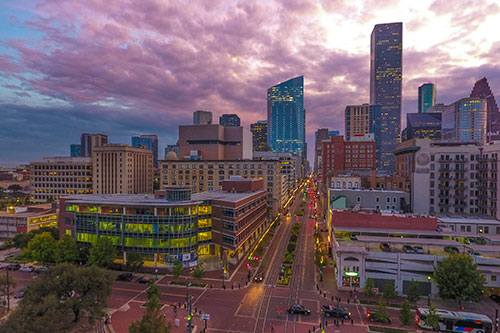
[[386, 222]]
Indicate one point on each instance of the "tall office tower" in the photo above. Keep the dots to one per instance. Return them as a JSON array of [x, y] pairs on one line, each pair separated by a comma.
[[426, 97], [358, 120], [320, 135], [201, 117], [386, 71], [259, 135], [286, 117], [150, 142], [90, 141], [482, 90], [75, 150], [465, 120], [229, 120], [423, 126], [119, 168]]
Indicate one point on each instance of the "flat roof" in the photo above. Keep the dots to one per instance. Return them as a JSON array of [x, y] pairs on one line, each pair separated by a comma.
[[485, 248], [470, 220], [365, 190], [126, 199], [225, 196], [414, 241], [408, 232], [382, 222]]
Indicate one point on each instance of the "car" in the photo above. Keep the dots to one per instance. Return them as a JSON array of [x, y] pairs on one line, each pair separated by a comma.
[[144, 279], [408, 249], [125, 277], [354, 238], [371, 314], [259, 277], [385, 247], [335, 311], [2, 266], [298, 308], [12, 267], [419, 249], [19, 294], [27, 269], [41, 269], [451, 249]]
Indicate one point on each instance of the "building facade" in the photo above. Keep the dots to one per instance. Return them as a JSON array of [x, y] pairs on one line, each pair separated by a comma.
[[358, 120], [482, 90], [75, 150], [119, 168], [322, 134], [201, 117], [25, 219], [150, 142], [423, 126], [371, 200], [89, 141], [386, 72], [465, 120], [286, 118], [229, 120], [259, 135], [58, 176], [426, 97]]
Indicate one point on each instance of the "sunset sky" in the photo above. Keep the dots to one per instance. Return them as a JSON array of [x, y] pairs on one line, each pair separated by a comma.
[[142, 67]]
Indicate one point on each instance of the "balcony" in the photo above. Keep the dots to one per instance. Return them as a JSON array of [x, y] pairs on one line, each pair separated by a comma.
[[459, 187], [444, 186], [460, 195], [443, 195], [464, 160], [445, 177], [444, 204]]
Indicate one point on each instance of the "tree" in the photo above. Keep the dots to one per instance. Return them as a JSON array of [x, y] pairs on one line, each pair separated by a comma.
[[198, 271], [15, 188], [369, 287], [22, 239], [41, 248], [177, 268], [432, 318], [134, 261], [152, 320], [458, 278], [7, 285], [413, 293], [390, 290], [381, 314], [405, 313], [102, 253], [66, 250]]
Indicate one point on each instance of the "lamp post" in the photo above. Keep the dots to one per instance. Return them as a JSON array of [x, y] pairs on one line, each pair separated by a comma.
[[189, 307], [430, 291]]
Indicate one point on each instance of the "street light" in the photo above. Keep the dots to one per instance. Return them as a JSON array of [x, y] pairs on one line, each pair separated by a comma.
[[430, 291]]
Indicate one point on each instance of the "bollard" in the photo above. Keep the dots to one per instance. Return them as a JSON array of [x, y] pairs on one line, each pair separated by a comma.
[[332, 298], [326, 323], [348, 300], [342, 321], [314, 328], [340, 300], [324, 295], [232, 287], [352, 321], [239, 286], [210, 286]]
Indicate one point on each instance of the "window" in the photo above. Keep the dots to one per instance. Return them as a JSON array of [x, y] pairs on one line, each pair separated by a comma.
[[394, 199], [388, 200], [377, 199], [359, 199], [493, 278]]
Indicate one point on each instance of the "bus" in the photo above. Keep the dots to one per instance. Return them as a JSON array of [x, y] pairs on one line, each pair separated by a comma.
[[451, 321]]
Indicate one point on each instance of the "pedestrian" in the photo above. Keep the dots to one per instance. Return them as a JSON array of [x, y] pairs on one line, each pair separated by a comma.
[[272, 327], [351, 292], [348, 300]]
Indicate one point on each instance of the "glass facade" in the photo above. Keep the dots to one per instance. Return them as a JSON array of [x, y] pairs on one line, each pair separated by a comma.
[[149, 141], [423, 126], [465, 120], [426, 97], [75, 150], [482, 90], [229, 120], [259, 135], [286, 117], [385, 89]]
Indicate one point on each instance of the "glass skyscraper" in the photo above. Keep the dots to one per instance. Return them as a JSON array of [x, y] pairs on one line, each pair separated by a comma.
[[286, 118], [149, 141], [465, 120], [229, 120], [259, 135], [426, 97], [386, 57], [482, 90]]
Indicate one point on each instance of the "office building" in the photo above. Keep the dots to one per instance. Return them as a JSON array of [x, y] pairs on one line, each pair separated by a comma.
[[17, 219], [482, 90], [75, 150], [150, 142], [59, 176], [229, 120], [465, 120], [172, 224], [119, 168], [358, 120], [422, 126], [259, 135], [386, 58], [89, 141], [426, 97], [286, 118], [322, 134], [202, 117]]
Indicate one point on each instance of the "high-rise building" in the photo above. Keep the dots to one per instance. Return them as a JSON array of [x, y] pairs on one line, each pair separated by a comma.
[[423, 125], [89, 141], [259, 135], [386, 71], [119, 168], [321, 135], [75, 150], [286, 118], [465, 120], [229, 120], [358, 120], [426, 97], [201, 117], [482, 90], [150, 142]]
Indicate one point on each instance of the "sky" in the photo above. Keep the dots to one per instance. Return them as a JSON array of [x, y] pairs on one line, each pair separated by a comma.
[[142, 67]]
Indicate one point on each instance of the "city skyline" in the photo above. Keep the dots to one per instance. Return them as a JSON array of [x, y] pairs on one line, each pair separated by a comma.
[[51, 93]]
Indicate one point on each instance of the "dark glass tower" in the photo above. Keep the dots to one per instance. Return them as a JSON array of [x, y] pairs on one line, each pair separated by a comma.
[[229, 120], [259, 135], [482, 90], [386, 60], [286, 118], [426, 97]]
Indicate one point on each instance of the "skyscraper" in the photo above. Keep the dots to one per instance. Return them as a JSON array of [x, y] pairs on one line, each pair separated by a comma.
[[259, 135], [75, 150], [465, 120], [358, 120], [386, 71], [149, 141], [286, 118], [482, 90], [229, 120], [89, 141], [426, 97], [201, 117], [423, 126]]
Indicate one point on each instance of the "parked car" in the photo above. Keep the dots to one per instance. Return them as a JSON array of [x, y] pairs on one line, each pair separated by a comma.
[[144, 279], [298, 308], [19, 294], [371, 315], [41, 269], [353, 237], [13, 267], [2, 266], [419, 249], [336, 312], [27, 269], [408, 249], [125, 277], [259, 277], [451, 249], [385, 247]]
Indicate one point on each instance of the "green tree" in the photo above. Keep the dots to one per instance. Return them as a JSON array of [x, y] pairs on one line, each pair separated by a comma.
[[42, 248], [102, 253], [413, 293], [432, 318], [66, 250], [390, 290], [405, 313], [382, 315], [198, 271], [134, 261], [177, 268], [83, 253], [458, 278], [369, 288], [7, 285], [21, 240], [152, 320]]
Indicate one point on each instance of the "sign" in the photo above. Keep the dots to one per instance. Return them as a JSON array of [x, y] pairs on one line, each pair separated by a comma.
[[351, 273], [186, 257], [205, 316]]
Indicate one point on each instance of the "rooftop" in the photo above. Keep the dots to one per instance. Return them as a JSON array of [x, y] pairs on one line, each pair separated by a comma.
[[376, 221], [467, 220], [366, 190]]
